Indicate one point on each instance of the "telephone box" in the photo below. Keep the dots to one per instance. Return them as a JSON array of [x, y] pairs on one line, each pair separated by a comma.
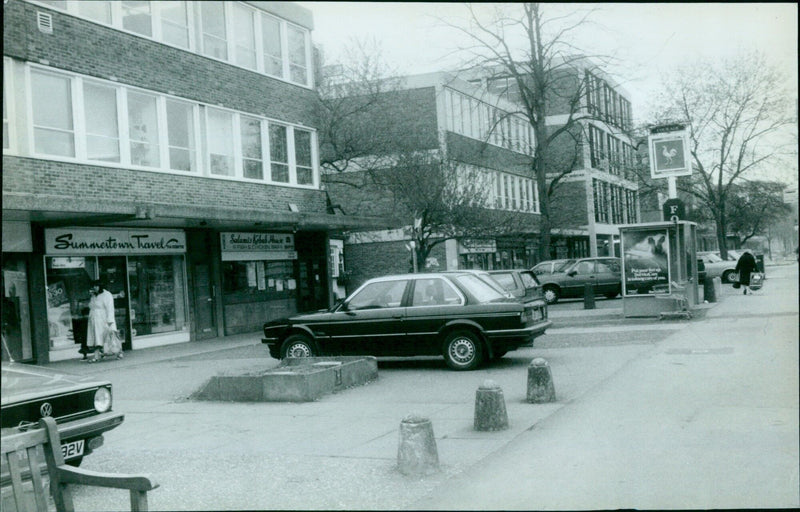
[[659, 260]]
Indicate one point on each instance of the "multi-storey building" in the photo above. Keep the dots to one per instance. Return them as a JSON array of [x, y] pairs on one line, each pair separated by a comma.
[[600, 191], [170, 150], [438, 112]]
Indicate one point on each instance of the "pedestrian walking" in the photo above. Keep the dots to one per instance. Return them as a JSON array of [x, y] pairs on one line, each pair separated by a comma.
[[745, 267], [101, 318]]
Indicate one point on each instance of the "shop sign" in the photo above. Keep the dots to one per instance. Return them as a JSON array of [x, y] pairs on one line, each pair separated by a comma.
[[68, 262], [103, 241], [645, 258], [472, 246], [257, 246]]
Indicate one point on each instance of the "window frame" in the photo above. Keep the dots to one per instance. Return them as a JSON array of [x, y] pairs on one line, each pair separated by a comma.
[[9, 97]]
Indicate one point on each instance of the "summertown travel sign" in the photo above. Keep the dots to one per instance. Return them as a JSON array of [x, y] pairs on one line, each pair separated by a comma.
[[102, 241]]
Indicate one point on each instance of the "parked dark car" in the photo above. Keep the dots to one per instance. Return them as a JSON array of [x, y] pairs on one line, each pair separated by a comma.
[[603, 273], [81, 406], [453, 314], [523, 284]]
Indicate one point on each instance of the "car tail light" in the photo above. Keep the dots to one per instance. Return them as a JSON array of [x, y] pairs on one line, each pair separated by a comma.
[[102, 400]]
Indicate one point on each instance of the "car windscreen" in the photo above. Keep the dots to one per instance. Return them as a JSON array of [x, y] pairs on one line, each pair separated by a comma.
[[562, 266], [713, 258], [529, 279], [479, 289]]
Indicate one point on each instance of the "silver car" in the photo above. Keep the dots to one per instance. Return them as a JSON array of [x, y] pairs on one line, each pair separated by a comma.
[[717, 267]]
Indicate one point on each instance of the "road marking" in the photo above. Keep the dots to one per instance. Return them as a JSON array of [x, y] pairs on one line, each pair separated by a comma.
[[615, 328]]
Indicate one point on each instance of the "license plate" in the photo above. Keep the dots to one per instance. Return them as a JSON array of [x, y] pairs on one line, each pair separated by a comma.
[[72, 449]]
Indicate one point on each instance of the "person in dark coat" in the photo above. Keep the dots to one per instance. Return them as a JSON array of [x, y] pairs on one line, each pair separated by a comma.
[[746, 266]]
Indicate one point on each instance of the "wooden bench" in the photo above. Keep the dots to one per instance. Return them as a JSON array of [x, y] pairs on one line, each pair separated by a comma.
[[22, 456]]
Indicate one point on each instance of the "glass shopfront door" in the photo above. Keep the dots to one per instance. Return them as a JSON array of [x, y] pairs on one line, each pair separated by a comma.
[[158, 294], [112, 274]]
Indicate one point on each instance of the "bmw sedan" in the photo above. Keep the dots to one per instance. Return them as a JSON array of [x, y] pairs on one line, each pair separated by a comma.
[[455, 314], [80, 405]]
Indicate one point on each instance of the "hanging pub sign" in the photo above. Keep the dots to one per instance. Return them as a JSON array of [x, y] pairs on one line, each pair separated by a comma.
[[257, 246], [109, 241], [669, 152]]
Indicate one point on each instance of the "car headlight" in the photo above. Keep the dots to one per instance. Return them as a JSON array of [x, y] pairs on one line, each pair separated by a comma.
[[102, 400]]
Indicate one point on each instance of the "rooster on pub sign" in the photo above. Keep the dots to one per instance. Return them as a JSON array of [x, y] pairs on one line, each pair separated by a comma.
[[669, 155]]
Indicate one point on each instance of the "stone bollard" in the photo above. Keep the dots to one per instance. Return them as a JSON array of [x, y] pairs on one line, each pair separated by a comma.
[[490, 407], [540, 382], [417, 454]]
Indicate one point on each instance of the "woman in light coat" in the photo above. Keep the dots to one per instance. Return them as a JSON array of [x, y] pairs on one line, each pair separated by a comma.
[[101, 316]]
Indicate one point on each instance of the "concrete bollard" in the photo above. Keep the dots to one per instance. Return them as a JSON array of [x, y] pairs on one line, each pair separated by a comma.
[[588, 296], [540, 382], [416, 453], [490, 407], [709, 293]]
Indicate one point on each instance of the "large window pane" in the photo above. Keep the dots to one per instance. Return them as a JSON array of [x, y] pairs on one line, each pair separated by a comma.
[[273, 52], [297, 55], [302, 151], [136, 17], [220, 142], [279, 153], [6, 126], [180, 132], [244, 33], [251, 148], [52, 114], [102, 128], [174, 23], [97, 10], [143, 129], [157, 294], [215, 38]]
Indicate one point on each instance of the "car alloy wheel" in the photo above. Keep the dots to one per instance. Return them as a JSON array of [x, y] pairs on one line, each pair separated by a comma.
[[297, 346], [550, 295], [462, 350], [727, 276]]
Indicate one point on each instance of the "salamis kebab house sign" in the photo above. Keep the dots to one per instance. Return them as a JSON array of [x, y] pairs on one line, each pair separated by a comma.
[[114, 241]]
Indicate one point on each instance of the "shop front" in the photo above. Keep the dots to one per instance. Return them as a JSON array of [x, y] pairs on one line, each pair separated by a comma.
[[145, 271], [259, 278]]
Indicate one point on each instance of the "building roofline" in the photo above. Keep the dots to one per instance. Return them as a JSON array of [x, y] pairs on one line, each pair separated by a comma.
[[287, 10]]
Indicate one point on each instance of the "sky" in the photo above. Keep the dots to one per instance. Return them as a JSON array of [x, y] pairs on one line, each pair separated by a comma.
[[647, 40]]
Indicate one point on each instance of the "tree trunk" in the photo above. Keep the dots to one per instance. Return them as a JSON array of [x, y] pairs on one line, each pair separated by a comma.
[[722, 229]]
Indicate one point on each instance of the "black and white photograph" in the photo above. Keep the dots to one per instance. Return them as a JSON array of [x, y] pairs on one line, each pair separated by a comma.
[[267, 255]]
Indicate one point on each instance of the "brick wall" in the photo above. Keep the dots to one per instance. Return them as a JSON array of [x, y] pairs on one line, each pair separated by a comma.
[[95, 50], [568, 208], [66, 180], [368, 260]]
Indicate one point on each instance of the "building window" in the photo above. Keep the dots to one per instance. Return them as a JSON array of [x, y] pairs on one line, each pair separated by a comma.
[[298, 67], [220, 142], [143, 130], [302, 151], [102, 123], [174, 23], [6, 124], [279, 153], [180, 134], [252, 155], [97, 11], [136, 17], [215, 38], [272, 45], [245, 36], [53, 129]]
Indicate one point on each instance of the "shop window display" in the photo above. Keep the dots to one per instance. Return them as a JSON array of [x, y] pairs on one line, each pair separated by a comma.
[[16, 311], [157, 294], [68, 281], [268, 279]]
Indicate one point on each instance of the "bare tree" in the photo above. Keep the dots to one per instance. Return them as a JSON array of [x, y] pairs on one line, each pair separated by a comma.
[[754, 206], [533, 52], [374, 165], [738, 114]]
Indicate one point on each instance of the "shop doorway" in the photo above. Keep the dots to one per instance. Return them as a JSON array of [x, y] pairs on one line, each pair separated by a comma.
[[202, 290], [112, 271]]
